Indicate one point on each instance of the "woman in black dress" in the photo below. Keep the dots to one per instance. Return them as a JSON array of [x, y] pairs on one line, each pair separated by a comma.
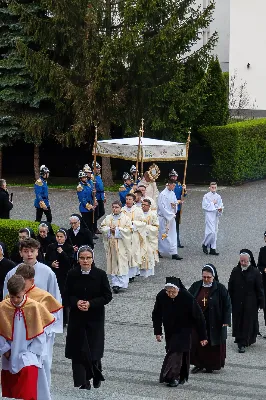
[[87, 292], [5, 266], [60, 257], [214, 300], [45, 236]]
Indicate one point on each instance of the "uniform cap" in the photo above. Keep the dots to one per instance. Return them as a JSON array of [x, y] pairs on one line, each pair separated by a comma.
[[44, 170], [126, 176], [82, 174], [173, 173]]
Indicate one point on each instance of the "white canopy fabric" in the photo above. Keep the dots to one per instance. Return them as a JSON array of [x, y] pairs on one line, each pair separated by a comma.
[[152, 149]]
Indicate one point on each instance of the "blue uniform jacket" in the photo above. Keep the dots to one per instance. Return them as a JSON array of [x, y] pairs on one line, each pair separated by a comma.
[[99, 188], [123, 191], [84, 192], [178, 192], [41, 193]]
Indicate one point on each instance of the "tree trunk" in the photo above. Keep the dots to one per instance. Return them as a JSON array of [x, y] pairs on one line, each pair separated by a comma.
[[104, 130], [107, 172], [1, 161], [36, 161]]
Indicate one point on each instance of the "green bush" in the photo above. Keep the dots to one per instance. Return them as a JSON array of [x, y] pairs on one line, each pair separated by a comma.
[[9, 230], [238, 150]]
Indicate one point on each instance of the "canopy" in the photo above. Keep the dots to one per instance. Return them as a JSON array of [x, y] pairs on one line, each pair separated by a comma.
[[151, 149]]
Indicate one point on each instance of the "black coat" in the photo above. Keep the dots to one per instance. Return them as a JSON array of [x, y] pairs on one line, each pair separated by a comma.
[[262, 265], [5, 250], [5, 204], [85, 332], [65, 260], [178, 316], [217, 313], [84, 236], [5, 266], [17, 259], [247, 296]]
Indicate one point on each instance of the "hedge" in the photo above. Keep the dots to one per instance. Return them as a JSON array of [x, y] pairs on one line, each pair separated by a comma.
[[238, 150], [9, 230]]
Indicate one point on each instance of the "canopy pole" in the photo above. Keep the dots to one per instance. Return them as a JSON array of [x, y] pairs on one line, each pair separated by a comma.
[[142, 134], [94, 172], [185, 173], [138, 156]]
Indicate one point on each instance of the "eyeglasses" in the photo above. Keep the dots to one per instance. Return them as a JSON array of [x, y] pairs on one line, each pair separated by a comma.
[[74, 223], [85, 258]]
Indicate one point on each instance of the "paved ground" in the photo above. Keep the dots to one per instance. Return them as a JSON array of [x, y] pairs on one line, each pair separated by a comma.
[[132, 357]]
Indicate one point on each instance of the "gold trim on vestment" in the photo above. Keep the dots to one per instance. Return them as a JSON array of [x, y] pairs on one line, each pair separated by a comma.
[[36, 318]]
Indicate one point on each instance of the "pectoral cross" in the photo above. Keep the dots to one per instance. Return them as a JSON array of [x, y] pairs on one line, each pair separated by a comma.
[[204, 301]]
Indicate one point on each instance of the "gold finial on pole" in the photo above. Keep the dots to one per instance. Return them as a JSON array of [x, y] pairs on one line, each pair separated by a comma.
[[141, 149]]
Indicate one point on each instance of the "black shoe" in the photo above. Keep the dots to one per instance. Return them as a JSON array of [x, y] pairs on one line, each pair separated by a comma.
[[87, 386], [204, 248], [180, 246], [131, 280], [208, 371], [96, 383], [95, 237], [173, 383], [182, 382], [241, 349], [160, 255], [195, 370], [176, 257], [116, 289], [213, 252]]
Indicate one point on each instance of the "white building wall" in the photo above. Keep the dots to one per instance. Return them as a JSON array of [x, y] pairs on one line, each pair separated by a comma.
[[248, 46], [221, 25]]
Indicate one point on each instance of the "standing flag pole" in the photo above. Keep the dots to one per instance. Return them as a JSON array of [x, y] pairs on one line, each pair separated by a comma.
[[142, 134], [185, 171], [138, 156], [94, 171]]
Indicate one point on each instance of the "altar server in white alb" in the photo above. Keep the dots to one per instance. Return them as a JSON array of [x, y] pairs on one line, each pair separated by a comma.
[[116, 230], [212, 204], [167, 207], [152, 227], [135, 214], [44, 277]]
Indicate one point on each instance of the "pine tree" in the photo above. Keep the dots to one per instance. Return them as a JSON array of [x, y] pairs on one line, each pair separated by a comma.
[[25, 112], [215, 108]]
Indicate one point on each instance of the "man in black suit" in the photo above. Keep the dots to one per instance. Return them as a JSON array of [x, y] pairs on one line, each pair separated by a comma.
[[5, 204]]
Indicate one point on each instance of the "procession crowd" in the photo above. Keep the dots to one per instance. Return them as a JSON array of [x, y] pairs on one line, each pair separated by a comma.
[[51, 281]]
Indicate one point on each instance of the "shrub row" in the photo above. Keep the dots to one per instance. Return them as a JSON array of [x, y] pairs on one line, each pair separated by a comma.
[[238, 150], [9, 230]]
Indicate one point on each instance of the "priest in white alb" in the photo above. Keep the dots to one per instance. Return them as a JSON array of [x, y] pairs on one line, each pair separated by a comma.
[[116, 229], [138, 238], [213, 206], [167, 207], [150, 257]]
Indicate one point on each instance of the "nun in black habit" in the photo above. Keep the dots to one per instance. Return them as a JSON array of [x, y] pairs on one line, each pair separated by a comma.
[[247, 296], [45, 236], [178, 312], [87, 293], [214, 300]]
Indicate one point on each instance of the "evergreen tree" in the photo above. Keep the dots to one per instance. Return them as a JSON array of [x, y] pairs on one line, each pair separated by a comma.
[[215, 111], [25, 113]]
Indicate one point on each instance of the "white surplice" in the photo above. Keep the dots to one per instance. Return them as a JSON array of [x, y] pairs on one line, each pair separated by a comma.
[[167, 207], [26, 353], [212, 216]]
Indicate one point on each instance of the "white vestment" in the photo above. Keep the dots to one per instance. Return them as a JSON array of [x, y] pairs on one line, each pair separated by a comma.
[[151, 256], [153, 203], [135, 214], [211, 217], [118, 248], [26, 353], [167, 207]]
